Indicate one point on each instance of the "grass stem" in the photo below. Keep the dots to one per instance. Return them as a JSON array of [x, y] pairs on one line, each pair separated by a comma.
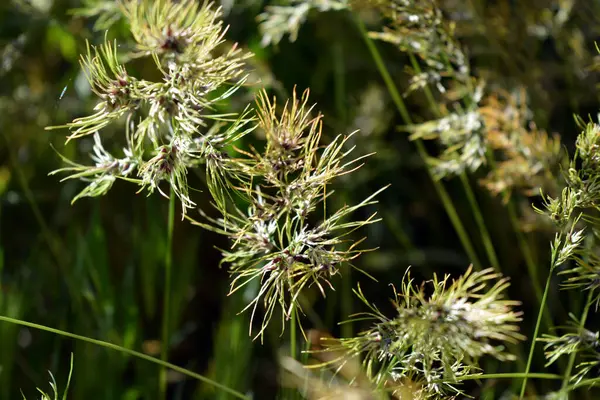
[[166, 321], [293, 322], [529, 261], [130, 352], [536, 331], [442, 193], [473, 205], [510, 375]]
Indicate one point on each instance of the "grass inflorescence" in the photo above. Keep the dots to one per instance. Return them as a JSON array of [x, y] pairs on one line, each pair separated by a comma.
[[296, 210]]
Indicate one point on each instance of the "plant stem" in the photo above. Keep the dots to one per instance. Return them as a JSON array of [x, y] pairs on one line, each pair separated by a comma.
[[536, 330], [583, 383], [164, 350], [529, 262], [443, 194], [485, 235], [571, 362], [291, 393], [130, 352], [510, 375], [293, 332]]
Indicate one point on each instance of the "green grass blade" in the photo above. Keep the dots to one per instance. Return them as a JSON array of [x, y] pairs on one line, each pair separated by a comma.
[[130, 352]]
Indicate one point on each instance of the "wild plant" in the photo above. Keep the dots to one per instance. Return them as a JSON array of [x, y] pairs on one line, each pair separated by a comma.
[[277, 241], [283, 240], [419, 28], [439, 332], [54, 395], [573, 213], [273, 203], [172, 119], [488, 128]]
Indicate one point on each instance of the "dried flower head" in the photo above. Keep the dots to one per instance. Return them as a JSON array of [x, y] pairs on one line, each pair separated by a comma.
[[435, 338], [529, 157]]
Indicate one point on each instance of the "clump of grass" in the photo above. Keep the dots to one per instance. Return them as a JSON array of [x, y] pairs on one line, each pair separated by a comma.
[[279, 241], [54, 395], [273, 200], [439, 333], [417, 27]]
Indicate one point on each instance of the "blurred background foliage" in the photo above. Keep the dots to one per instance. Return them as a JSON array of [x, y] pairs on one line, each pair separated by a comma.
[[95, 268]]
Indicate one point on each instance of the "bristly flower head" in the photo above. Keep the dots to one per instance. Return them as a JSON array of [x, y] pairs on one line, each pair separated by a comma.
[[174, 29], [577, 340], [346, 380], [103, 174], [183, 36], [172, 120], [435, 338], [119, 93], [280, 240], [582, 178]]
